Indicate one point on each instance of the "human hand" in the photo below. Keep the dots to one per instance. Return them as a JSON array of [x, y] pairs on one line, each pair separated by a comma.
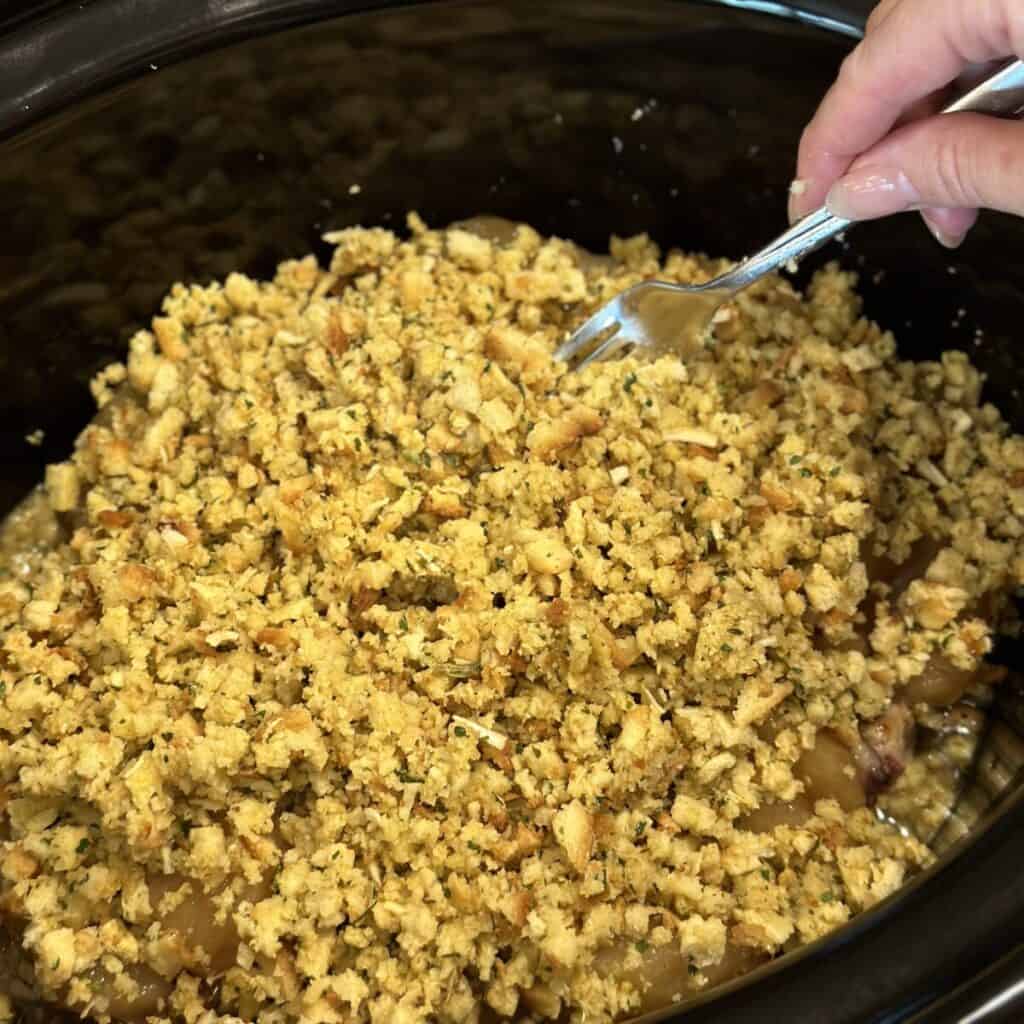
[[876, 145]]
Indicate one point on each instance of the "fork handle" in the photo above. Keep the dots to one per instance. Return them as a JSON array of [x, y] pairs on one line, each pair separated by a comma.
[[1001, 94]]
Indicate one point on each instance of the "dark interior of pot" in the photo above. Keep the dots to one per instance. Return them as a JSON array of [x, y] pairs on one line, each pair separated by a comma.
[[584, 119]]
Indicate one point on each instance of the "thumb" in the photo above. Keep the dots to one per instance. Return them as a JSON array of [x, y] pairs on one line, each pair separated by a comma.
[[951, 161]]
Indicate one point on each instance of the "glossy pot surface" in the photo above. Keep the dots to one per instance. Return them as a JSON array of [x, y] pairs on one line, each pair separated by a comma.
[[147, 144]]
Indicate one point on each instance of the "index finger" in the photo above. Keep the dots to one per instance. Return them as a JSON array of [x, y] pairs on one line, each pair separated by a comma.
[[919, 47]]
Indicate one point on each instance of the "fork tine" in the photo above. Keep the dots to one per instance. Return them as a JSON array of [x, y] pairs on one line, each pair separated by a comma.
[[606, 319], [607, 348]]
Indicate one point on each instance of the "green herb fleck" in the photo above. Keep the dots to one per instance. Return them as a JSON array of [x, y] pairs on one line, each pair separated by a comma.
[[403, 624], [460, 731], [475, 847], [805, 473], [641, 827], [642, 946], [83, 845], [795, 460], [766, 874], [627, 384], [362, 916], [407, 777], [462, 669], [726, 648], [828, 897], [835, 471]]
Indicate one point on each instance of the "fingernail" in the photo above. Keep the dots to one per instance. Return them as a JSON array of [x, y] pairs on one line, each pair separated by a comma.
[[871, 192], [944, 238], [797, 188]]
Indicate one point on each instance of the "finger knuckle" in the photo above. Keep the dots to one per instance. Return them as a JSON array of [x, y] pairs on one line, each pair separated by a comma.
[[878, 14], [814, 140], [850, 69], [808, 139], [1003, 182], [954, 169]]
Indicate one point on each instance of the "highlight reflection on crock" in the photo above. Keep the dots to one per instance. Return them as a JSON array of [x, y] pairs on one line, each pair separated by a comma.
[[364, 664]]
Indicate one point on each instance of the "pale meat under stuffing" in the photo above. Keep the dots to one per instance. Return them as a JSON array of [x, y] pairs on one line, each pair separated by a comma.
[[378, 669]]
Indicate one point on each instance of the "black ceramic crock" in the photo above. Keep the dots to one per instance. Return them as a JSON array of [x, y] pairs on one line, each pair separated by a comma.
[[149, 142]]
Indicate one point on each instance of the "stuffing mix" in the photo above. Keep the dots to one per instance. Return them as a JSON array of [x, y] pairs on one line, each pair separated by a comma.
[[364, 664]]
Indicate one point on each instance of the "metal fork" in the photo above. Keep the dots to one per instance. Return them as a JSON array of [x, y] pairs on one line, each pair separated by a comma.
[[660, 318]]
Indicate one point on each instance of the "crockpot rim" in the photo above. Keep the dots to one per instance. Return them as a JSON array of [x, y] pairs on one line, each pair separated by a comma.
[[101, 46]]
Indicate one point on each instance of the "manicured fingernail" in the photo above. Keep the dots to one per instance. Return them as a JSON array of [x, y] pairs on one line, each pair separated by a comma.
[[797, 188], [871, 192], [950, 241]]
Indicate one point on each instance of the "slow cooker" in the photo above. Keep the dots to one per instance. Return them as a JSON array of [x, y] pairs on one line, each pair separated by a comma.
[[145, 143]]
